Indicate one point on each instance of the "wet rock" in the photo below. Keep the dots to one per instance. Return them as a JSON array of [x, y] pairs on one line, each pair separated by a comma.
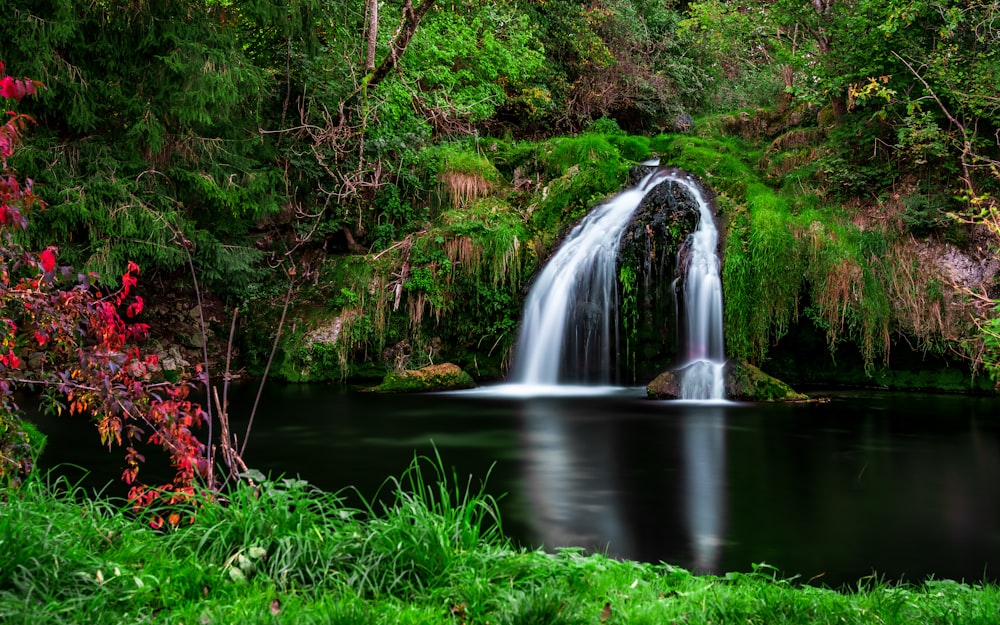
[[650, 254], [744, 382], [667, 385], [443, 377]]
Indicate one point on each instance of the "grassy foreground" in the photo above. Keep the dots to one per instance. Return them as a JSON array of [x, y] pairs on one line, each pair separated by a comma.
[[289, 553]]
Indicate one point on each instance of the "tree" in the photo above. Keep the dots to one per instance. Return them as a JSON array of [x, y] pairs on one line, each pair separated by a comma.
[[63, 335], [152, 117]]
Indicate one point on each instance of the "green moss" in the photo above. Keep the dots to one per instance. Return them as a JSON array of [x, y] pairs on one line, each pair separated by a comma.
[[443, 377], [586, 150], [745, 382], [632, 148], [722, 164]]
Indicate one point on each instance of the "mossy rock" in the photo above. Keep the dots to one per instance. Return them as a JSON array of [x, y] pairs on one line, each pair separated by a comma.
[[443, 377], [667, 385], [744, 382]]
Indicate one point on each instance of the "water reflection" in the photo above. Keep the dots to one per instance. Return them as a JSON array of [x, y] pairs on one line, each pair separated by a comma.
[[576, 463], [704, 433], [570, 473]]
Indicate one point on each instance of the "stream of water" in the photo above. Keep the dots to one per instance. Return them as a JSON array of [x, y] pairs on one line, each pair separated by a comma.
[[570, 316], [702, 376]]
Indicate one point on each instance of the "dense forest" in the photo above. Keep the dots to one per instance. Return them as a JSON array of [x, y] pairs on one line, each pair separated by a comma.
[[378, 181]]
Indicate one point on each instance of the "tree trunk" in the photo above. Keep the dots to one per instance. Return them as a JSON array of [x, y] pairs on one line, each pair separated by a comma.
[[400, 40], [372, 39]]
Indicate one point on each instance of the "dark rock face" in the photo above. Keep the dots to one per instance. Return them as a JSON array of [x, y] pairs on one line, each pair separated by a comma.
[[650, 256], [744, 382]]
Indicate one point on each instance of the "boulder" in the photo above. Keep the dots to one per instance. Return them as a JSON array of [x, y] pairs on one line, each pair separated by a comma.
[[443, 377], [667, 385], [744, 382]]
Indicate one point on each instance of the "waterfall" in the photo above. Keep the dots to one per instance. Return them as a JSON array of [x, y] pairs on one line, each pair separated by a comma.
[[702, 375], [570, 322]]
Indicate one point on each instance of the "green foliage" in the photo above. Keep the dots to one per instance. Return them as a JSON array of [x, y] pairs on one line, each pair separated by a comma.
[[467, 64], [739, 45], [148, 134], [721, 163], [471, 163], [762, 272], [571, 196], [584, 150], [923, 214], [632, 148], [605, 126], [624, 59], [990, 334], [629, 312], [20, 446]]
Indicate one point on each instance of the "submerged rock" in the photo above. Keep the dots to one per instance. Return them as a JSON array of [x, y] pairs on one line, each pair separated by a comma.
[[443, 377], [744, 382]]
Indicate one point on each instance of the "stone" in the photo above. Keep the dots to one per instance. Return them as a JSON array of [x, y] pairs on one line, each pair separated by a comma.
[[652, 249], [744, 382], [667, 385], [443, 377]]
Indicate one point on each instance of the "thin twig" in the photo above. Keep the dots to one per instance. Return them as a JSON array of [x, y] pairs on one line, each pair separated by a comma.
[[227, 447], [205, 376], [267, 368]]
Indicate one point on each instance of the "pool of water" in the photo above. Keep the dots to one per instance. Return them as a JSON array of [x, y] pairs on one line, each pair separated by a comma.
[[899, 485]]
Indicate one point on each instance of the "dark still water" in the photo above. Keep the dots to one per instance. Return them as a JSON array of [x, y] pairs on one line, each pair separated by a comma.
[[904, 486]]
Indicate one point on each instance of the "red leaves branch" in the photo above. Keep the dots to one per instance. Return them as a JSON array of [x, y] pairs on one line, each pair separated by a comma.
[[71, 340]]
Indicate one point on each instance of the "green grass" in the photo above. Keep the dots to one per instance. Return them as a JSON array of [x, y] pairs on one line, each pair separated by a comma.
[[433, 552]]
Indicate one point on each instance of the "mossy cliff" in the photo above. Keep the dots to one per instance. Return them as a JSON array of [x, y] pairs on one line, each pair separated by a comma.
[[649, 263], [810, 278]]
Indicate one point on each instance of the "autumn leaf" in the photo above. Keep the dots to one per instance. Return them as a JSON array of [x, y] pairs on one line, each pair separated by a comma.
[[48, 260]]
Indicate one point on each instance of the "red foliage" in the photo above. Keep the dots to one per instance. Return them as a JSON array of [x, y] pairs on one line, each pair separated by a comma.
[[64, 336]]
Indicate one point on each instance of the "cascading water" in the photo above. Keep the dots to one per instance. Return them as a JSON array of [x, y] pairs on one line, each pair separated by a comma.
[[702, 375], [570, 318], [570, 322]]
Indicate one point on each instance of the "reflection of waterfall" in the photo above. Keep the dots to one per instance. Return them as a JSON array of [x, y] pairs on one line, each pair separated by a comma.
[[702, 376], [704, 485], [571, 478], [570, 321]]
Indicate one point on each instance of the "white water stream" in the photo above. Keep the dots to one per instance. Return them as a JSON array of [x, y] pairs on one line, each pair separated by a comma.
[[702, 375]]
